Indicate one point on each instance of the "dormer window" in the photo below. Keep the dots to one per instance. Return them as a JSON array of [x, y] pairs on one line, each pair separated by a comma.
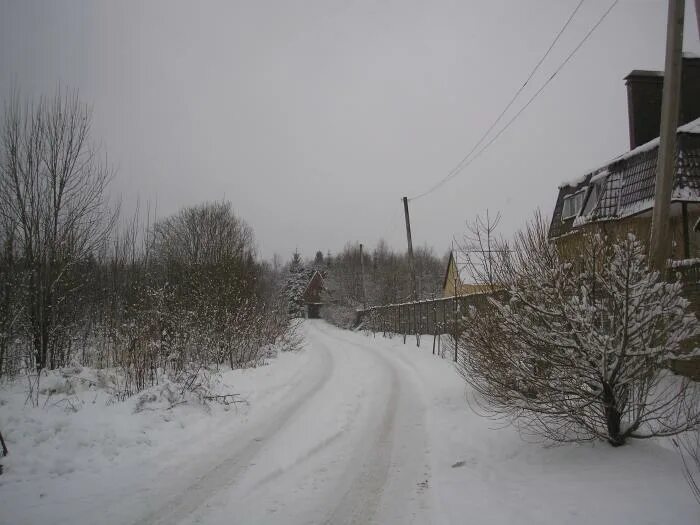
[[572, 204], [593, 195]]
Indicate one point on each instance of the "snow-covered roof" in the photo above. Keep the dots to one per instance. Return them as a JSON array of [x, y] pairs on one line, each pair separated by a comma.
[[692, 128], [626, 186]]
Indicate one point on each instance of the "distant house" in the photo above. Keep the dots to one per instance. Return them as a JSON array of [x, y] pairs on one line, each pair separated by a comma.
[[456, 280], [618, 196], [312, 296]]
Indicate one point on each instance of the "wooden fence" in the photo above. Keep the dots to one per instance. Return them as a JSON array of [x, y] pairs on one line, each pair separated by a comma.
[[434, 317], [441, 316]]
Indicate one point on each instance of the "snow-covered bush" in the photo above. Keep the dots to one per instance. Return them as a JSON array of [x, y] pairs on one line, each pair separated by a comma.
[[377, 320], [167, 337], [577, 348], [340, 315]]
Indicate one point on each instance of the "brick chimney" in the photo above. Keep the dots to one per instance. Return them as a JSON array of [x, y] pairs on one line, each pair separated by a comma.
[[690, 89], [644, 91]]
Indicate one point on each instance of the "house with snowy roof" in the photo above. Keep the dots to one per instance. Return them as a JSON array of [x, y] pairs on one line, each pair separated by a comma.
[[312, 295], [457, 279], [618, 197]]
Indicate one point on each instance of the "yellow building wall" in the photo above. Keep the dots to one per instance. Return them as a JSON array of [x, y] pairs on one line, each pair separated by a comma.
[[640, 227], [452, 280], [454, 286]]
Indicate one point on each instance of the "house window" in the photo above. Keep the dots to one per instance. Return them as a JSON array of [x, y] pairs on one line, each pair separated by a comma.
[[592, 199], [572, 204]]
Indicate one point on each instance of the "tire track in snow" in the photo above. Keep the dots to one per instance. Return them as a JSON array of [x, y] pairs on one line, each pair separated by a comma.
[[314, 451], [306, 469], [370, 469], [383, 468], [221, 474], [359, 503]]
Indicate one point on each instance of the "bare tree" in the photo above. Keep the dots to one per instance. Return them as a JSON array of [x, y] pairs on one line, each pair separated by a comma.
[[387, 275], [210, 234], [577, 349], [11, 309], [480, 248], [429, 272], [52, 190]]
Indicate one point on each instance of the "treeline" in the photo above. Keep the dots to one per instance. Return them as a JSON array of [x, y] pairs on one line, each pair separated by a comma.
[[387, 279], [78, 284]]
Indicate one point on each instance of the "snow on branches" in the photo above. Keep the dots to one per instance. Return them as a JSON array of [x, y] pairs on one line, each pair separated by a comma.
[[297, 277], [576, 348]]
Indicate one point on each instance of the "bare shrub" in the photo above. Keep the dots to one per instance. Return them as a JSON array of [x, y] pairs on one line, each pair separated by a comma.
[[688, 446], [147, 300], [481, 248]]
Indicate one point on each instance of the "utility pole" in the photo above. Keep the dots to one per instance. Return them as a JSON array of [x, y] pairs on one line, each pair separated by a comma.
[[697, 14], [362, 278], [660, 240], [411, 264]]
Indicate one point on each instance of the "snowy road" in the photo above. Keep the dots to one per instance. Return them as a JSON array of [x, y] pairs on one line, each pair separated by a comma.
[[348, 445], [352, 429]]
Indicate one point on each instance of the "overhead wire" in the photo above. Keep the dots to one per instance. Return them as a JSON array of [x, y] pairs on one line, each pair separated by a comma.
[[468, 159], [508, 105]]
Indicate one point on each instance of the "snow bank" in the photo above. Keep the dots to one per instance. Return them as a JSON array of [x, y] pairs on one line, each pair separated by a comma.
[[106, 464], [483, 472], [79, 450]]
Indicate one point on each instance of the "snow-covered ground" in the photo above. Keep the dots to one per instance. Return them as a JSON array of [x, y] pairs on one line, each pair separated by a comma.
[[353, 429]]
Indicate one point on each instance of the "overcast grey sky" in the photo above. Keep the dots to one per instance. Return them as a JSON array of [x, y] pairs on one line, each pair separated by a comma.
[[314, 117]]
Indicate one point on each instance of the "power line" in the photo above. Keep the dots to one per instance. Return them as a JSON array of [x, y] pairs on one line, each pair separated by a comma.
[[600, 20], [457, 168], [468, 159]]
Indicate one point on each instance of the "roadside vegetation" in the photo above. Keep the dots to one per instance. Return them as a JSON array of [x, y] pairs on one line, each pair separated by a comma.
[[152, 300]]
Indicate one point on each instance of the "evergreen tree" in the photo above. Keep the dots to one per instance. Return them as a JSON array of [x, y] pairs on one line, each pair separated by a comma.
[[296, 281]]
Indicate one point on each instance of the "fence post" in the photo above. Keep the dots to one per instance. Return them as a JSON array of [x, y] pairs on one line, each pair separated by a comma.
[[413, 318], [417, 320], [454, 327], [444, 314], [404, 326], [398, 319], [434, 326]]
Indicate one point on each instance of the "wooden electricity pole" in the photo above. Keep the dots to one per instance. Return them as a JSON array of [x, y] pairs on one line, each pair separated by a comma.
[[362, 278], [660, 239], [411, 264]]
